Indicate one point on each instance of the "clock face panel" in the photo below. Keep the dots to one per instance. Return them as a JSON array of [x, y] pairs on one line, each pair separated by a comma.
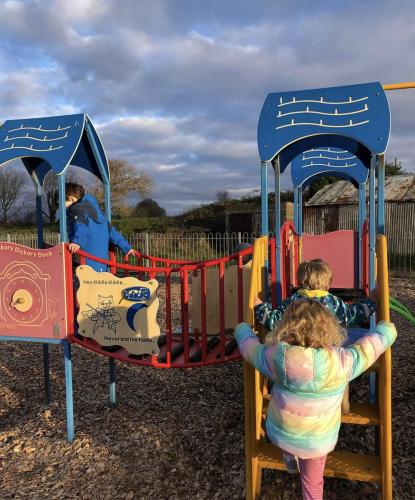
[[31, 294], [34, 300]]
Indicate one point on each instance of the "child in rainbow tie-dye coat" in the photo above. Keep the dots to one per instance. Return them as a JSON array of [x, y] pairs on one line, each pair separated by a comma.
[[315, 277], [309, 369]]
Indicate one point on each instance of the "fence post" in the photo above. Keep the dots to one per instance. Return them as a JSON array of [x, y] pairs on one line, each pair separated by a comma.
[[9, 239], [146, 248]]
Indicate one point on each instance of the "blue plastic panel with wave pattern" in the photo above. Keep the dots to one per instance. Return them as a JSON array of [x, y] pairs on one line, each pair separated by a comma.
[[320, 161], [50, 143], [359, 112]]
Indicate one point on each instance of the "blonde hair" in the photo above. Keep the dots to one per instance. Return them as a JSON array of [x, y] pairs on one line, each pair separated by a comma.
[[307, 323], [314, 274]]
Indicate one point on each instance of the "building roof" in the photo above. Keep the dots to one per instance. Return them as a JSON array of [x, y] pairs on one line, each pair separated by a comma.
[[397, 188]]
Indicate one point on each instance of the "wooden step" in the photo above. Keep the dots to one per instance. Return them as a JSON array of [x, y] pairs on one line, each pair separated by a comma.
[[340, 464], [362, 414]]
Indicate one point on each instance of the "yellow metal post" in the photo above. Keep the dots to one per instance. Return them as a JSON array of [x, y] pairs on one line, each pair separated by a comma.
[[399, 86], [253, 381], [385, 372]]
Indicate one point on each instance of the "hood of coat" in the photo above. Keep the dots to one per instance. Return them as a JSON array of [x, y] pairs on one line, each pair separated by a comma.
[[86, 207]]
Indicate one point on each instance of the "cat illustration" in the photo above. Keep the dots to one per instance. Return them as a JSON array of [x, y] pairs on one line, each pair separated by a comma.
[[104, 314]]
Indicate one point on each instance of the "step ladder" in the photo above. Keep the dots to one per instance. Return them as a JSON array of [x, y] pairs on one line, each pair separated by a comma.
[[347, 465]]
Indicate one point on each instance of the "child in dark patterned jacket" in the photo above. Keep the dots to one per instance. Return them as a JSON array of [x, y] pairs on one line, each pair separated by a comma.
[[314, 277]]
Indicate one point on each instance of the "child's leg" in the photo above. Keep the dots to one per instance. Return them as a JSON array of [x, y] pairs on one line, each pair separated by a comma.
[[312, 479]]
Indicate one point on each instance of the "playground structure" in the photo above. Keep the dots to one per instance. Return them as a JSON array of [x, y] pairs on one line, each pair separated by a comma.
[[342, 132], [32, 309], [38, 303]]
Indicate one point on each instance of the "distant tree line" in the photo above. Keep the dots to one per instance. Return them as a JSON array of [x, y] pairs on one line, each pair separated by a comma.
[[126, 179]]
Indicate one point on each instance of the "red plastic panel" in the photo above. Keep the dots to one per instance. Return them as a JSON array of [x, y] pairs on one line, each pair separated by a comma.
[[340, 250], [32, 292]]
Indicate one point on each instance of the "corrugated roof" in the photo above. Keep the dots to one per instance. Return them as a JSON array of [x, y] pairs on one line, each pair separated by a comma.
[[397, 188]]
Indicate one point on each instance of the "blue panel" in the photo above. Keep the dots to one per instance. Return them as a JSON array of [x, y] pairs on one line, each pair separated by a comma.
[[6, 338], [324, 141], [359, 112], [51, 140], [316, 162], [90, 154], [136, 293], [98, 148]]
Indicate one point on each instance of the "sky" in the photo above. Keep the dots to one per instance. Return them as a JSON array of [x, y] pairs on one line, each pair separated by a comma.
[[176, 86]]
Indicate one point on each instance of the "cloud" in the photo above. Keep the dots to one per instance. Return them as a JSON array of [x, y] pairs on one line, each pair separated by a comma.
[[176, 88]]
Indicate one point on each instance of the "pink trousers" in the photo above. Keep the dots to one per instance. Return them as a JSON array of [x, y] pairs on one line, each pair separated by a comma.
[[312, 479]]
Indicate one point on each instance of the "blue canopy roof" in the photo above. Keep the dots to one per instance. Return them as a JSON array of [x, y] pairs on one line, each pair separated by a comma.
[[53, 143], [352, 117]]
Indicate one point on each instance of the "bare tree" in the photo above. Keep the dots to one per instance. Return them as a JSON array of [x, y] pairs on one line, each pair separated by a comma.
[[11, 185], [222, 196], [124, 179]]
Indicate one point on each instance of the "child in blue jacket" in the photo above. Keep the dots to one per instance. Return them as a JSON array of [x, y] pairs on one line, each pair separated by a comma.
[[88, 228]]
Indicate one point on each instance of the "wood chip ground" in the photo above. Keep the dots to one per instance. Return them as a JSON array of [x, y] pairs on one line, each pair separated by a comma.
[[174, 434]]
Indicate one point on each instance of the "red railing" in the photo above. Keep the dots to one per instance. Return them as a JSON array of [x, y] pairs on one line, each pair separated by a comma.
[[289, 258], [181, 346]]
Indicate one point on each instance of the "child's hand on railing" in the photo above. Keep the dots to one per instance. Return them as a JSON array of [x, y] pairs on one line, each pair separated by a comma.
[[74, 247], [130, 252]]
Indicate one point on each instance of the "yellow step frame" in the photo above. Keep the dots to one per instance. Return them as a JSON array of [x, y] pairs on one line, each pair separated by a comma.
[[259, 454]]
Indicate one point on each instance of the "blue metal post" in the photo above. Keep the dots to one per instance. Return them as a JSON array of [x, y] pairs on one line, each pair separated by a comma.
[[300, 212], [361, 220], [372, 222], [69, 391], [45, 347], [381, 195], [113, 397], [46, 373], [296, 208], [276, 165], [107, 199], [372, 256], [62, 209], [264, 216], [39, 217]]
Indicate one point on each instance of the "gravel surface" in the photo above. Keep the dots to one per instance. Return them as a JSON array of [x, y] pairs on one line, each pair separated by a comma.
[[174, 433]]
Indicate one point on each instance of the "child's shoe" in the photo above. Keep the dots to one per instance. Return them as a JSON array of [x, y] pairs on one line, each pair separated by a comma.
[[291, 462]]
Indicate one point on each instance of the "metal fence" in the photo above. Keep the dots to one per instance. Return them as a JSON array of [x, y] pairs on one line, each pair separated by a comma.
[[186, 246], [200, 246]]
